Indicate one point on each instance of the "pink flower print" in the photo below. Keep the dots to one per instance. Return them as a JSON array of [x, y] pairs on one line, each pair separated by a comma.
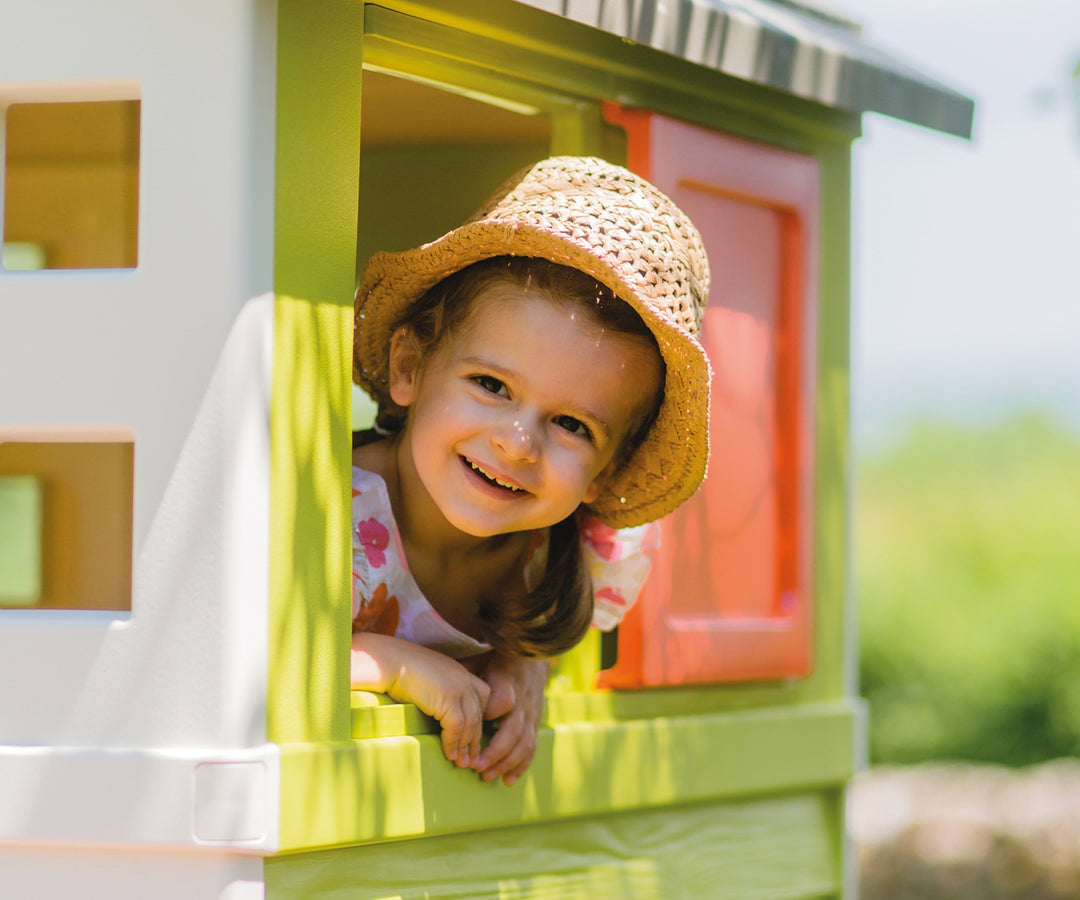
[[602, 538], [374, 538], [611, 595]]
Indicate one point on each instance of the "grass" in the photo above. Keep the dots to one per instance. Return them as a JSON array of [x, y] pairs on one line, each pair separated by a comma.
[[968, 574]]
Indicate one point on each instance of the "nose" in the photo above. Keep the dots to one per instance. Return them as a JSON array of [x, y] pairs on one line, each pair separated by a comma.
[[517, 439]]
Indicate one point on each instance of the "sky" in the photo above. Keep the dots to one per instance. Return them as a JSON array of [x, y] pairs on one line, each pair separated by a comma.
[[967, 254]]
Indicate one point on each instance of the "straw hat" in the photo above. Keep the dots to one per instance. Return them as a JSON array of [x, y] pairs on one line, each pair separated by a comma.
[[604, 220]]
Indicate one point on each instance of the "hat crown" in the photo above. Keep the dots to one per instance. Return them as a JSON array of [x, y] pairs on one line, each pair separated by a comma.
[[619, 217]]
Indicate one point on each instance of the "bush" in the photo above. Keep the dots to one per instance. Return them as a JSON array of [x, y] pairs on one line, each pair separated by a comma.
[[967, 548]]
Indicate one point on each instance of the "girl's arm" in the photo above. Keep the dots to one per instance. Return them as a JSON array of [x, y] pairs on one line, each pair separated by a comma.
[[437, 684], [517, 702]]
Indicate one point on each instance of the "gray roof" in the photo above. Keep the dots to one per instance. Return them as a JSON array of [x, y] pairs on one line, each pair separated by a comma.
[[783, 44]]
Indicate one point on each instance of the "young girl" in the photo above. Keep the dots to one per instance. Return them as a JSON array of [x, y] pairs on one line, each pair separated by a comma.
[[539, 386]]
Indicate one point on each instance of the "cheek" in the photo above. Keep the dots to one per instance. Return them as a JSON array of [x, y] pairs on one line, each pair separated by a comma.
[[444, 415], [576, 470]]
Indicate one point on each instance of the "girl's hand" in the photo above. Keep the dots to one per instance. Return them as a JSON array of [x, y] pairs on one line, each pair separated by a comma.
[[437, 684], [517, 703]]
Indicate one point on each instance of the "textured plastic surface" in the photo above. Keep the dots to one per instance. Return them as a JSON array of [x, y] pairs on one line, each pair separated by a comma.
[[586, 765], [315, 220], [134, 797], [730, 595], [187, 667], [775, 848], [52, 872]]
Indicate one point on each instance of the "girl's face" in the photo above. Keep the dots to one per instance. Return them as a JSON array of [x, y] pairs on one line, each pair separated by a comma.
[[516, 415]]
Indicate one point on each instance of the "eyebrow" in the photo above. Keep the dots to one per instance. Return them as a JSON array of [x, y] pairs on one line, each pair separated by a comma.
[[595, 423]]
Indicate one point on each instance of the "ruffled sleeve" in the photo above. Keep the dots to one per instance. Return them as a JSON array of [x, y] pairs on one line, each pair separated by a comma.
[[618, 561]]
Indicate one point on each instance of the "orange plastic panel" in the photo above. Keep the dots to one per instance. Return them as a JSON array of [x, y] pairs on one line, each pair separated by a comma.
[[729, 597]]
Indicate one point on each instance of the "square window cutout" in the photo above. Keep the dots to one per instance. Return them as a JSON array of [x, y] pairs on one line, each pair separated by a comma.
[[71, 185], [66, 501]]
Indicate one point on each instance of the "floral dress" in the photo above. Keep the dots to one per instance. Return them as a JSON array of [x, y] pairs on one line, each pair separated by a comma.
[[387, 600]]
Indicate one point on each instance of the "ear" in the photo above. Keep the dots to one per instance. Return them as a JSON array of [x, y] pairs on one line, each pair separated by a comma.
[[404, 375], [593, 490]]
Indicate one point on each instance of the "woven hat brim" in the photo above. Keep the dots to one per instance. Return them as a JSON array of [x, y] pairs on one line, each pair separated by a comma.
[[671, 462]]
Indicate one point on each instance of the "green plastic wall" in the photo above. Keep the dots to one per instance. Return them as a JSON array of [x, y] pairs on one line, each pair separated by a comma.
[[727, 791]]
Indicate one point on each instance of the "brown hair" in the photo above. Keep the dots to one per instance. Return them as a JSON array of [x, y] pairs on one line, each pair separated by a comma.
[[555, 615]]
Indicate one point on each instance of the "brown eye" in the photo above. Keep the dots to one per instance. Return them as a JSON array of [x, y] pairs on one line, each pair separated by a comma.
[[574, 426], [490, 384]]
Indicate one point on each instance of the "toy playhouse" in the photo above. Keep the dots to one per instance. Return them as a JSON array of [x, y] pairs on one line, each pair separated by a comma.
[[175, 712]]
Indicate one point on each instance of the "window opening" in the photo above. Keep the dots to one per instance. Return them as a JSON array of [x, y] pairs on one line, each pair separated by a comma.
[[23, 256], [71, 185], [20, 541], [66, 500], [430, 157]]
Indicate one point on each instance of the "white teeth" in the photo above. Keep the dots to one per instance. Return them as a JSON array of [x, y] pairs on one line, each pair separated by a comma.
[[490, 477]]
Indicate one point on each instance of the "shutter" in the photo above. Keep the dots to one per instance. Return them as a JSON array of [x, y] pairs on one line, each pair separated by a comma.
[[729, 596]]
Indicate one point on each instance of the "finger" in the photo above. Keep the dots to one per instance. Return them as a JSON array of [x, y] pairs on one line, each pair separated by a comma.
[[462, 723], [468, 737], [453, 721], [482, 689], [513, 764], [512, 758], [462, 727], [502, 699], [510, 777], [475, 719], [504, 740]]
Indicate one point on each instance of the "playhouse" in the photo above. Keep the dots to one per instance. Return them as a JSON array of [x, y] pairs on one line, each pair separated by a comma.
[[188, 192]]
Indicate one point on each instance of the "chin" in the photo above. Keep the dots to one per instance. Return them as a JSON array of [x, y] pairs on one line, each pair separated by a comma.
[[478, 528]]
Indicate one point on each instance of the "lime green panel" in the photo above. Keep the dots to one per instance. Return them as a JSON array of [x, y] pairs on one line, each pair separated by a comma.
[[835, 646], [376, 715], [317, 184], [310, 597], [20, 540], [778, 848], [318, 148], [391, 787]]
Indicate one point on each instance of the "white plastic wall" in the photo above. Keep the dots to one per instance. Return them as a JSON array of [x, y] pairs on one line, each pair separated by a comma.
[[35, 874], [136, 347], [149, 728]]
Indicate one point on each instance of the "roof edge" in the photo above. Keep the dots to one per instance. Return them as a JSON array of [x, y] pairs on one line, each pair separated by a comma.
[[787, 45]]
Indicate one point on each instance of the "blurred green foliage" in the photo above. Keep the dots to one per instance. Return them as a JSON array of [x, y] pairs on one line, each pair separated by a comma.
[[967, 549]]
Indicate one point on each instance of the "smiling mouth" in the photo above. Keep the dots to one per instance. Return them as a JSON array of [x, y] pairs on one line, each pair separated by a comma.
[[491, 479]]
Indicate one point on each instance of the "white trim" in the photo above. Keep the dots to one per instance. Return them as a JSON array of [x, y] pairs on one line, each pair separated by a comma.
[[177, 799]]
